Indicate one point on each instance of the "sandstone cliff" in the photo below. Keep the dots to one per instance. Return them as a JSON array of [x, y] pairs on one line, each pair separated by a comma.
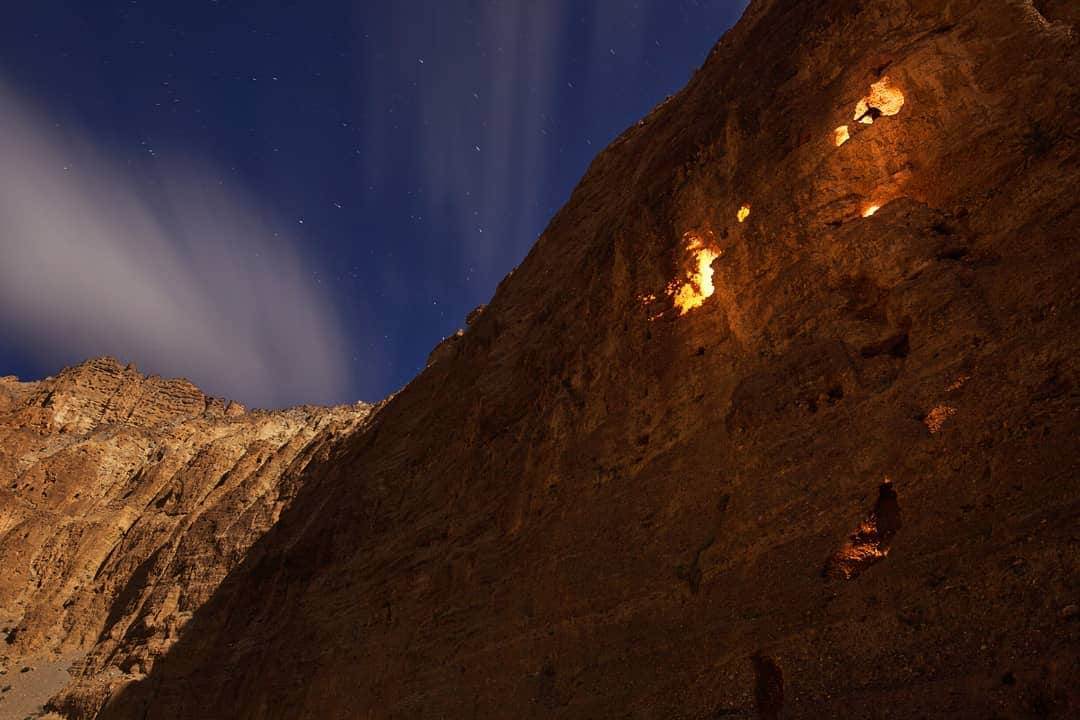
[[778, 418], [124, 500]]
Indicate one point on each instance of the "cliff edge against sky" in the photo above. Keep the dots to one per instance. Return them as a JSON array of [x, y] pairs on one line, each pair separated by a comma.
[[777, 419]]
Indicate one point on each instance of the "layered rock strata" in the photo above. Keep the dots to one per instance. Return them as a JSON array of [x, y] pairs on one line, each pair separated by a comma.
[[125, 500]]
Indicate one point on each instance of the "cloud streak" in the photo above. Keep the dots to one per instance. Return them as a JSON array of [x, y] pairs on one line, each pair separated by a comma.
[[486, 98], [499, 99], [181, 274]]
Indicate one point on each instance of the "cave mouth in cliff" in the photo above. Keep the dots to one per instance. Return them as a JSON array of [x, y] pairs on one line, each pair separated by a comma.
[[768, 687], [696, 286], [884, 100], [870, 543]]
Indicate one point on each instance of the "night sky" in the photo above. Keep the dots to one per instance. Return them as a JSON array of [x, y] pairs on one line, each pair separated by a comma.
[[320, 189]]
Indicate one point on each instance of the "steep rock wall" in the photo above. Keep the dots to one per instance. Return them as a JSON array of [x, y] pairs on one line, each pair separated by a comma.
[[124, 501], [844, 484]]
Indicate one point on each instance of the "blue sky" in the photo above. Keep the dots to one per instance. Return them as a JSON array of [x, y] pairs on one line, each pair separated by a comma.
[[294, 201]]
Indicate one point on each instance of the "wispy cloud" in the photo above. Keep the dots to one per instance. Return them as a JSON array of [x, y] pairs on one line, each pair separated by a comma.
[[184, 275], [486, 98], [514, 85]]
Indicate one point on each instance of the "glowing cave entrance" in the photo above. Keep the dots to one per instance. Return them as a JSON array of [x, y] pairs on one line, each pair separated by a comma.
[[884, 99], [692, 291]]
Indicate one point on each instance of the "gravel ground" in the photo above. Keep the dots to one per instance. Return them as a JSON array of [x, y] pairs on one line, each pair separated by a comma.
[[27, 683]]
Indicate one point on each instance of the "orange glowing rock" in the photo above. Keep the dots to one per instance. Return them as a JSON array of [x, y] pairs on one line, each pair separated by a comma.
[[744, 212], [841, 135], [935, 419], [884, 99], [697, 286], [646, 298], [957, 383]]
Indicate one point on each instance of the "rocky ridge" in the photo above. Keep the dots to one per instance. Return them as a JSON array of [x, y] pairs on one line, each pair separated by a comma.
[[124, 501]]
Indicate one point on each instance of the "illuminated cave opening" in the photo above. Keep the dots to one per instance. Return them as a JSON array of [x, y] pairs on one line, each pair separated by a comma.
[[869, 210], [697, 285], [870, 542], [883, 100]]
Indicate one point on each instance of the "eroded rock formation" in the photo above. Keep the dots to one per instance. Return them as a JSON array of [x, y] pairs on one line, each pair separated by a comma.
[[124, 501], [597, 503]]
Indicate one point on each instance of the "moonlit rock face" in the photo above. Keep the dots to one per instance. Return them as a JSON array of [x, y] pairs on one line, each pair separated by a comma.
[[181, 272]]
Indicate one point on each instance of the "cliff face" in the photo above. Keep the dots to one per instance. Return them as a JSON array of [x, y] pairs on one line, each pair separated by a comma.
[[124, 501], [779, 417]]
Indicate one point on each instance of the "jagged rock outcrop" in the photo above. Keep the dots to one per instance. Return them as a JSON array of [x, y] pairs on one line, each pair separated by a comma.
[[778, 418], [124, 501]]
